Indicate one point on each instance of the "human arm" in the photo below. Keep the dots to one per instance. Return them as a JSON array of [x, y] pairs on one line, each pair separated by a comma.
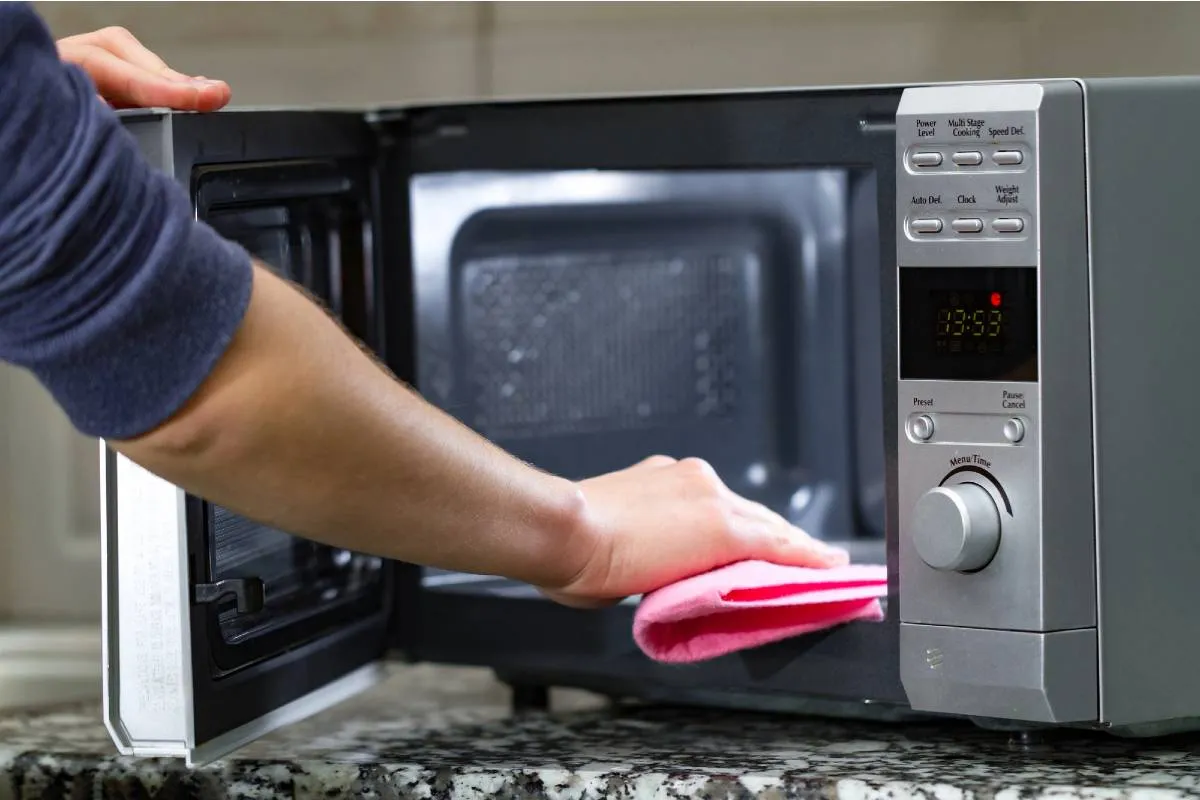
[[298, 427], [154, 333]]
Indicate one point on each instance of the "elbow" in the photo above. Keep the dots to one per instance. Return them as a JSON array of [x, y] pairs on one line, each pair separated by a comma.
[[177, 448], [190, 445]]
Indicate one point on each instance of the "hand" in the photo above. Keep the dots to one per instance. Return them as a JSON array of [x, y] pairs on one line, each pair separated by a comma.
[[664, 520], [127, 75]]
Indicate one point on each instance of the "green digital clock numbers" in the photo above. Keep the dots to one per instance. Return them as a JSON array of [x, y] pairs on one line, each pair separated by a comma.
[[977, 323], [969, 322]]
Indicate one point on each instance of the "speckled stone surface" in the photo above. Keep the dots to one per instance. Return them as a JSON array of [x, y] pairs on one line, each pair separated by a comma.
[[447, 734]]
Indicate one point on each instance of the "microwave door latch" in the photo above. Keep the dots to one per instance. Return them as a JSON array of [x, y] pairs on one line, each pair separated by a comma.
[[249, 593]]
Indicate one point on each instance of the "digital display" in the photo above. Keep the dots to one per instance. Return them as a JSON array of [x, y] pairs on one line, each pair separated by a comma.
[[968, 323]]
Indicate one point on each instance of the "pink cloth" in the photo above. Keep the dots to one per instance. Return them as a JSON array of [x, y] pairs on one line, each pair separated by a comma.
[[753, 603]]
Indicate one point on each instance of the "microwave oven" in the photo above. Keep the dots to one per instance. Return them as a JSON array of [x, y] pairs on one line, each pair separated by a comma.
[[943, 325]]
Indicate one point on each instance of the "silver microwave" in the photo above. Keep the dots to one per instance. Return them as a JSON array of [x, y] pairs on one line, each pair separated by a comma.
[[946, 326]]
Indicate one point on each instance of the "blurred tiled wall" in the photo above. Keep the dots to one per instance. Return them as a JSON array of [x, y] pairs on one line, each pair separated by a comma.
[[354, 53], [376, 53]]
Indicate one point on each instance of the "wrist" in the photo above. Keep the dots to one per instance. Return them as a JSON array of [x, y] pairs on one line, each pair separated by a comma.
[[571, 538]]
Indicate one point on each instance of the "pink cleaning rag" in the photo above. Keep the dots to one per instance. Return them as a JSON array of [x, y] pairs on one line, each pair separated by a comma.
[[752, 603]]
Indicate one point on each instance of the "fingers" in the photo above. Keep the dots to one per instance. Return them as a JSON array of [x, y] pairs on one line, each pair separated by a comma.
[[125, 45], [662, 520], [793, 547], [124, 84], [127, 74], [778, 541], [801, 550], [756, 531], [787, 545]]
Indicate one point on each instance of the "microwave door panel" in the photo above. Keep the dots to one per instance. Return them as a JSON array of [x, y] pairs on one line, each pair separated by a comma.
[[149, 697], [218, 628]]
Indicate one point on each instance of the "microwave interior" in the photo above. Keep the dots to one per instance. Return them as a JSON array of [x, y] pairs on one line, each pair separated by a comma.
[[584, 283], [585, 319], [598, 281]]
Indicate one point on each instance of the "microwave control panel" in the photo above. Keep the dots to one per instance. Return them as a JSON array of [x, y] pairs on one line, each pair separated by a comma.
[[991, 285]]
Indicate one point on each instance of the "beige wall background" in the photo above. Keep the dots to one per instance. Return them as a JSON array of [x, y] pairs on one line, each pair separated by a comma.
[[368, 53], [378, 53]]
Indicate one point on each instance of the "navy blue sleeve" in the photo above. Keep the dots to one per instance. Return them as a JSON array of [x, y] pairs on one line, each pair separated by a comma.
[[110, 292]]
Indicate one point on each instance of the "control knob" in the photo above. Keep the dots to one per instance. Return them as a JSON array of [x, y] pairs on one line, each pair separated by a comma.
[[956, 527]]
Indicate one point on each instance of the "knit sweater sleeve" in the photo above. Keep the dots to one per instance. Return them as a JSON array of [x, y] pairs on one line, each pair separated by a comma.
[[111, 293]]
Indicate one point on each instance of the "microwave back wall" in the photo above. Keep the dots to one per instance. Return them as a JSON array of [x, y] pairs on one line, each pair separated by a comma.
[[945, 326]]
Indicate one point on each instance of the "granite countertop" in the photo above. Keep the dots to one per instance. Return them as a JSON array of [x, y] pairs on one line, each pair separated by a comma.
[[447, 733]]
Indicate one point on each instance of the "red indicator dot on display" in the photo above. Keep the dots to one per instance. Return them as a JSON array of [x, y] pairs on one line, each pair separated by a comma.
[[996, 299]]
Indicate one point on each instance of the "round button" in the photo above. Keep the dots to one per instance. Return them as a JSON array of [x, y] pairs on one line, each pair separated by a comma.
[[921, 427], [956, 528], [1014, 430]]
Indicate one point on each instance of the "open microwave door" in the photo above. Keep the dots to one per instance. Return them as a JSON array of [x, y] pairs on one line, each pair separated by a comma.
[[219, 629]]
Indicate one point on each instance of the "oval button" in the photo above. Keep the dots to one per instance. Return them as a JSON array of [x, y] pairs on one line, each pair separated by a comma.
[[968, 225]]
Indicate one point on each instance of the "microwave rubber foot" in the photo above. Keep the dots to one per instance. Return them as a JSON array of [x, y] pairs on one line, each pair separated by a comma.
[[529, 698], [1027, 740]]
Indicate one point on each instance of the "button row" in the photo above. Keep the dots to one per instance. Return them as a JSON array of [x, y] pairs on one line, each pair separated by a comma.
[[922, 427], [930, 225], [967, 158]]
